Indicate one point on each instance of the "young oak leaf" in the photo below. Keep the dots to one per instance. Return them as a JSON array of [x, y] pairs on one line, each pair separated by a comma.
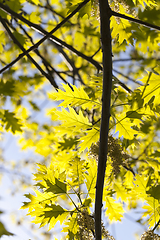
[[71, 224], [91, 137], [141, 185], [121, 192], [77, 169], [73, 120], [120, 30], [52, 214], [123, 126], [91, 176], [3, 231], [49, 214], [38, 200], [151, 89], [152, 211], [11, 121], [114, 209], [147, 2], [57, 187], [73, 96]]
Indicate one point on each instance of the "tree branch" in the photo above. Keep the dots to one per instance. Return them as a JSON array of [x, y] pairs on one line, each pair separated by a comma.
[[50, 78], [127, 77], [128, 59], [45, 62], [105, 14], [70, 62], [157, 224], [48, 35], [49, 7], [136, 59], [121, 84], [47, 65], [52, 38], [135, 20]]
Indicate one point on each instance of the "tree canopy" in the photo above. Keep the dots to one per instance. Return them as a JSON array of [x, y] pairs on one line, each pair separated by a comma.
[[80, 91]]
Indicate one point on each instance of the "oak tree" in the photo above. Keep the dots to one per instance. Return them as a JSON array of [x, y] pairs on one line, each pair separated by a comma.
[[96, 64]]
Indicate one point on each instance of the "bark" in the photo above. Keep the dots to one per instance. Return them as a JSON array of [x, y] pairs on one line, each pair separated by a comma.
[[105, 14]]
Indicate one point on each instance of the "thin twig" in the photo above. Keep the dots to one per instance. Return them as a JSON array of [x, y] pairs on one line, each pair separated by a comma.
[[156, 226], [146, 24], [125, 76], [136, 59], [121, 84], [49, 7], [128, 59], [96, 52]]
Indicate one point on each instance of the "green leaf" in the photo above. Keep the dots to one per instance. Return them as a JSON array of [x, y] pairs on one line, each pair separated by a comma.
[[119, 28], [14, 5], [72, 226], [114, 210], [53, 211], [34, 106], [91, 137], [3, 231], [85, 10], [11, 122], [68, 143], [141, 184], [87, 202], [73, 96], [152, 88], [51, 214], [154, 163], [20, 37], [152, 211], [148, 2], [154, 192], [73, 120], [124, 127], [134, 114], [7, 88], [90, 177], [58, 187]]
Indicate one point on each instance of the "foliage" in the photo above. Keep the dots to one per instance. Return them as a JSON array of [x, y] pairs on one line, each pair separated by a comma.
[[65, 142]]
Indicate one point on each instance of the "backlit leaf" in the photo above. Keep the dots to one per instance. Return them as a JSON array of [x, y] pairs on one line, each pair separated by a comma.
[[58, 187]]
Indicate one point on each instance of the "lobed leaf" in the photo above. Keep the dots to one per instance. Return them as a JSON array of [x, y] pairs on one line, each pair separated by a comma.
[[73, 120], [11, 122], [91, 138], [114, 210], [73, 96]]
